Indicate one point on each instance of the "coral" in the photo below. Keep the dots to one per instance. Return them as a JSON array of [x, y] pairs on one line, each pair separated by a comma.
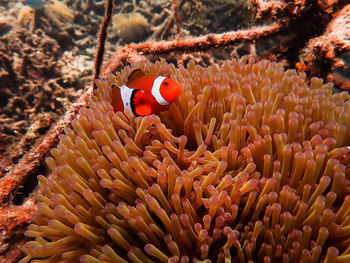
[[177, 17], [61, 11], [34, 55], [102, 36], [131, 27], [5, 26], [7, 79], [53, 18], [202, 17], [26, 17], [32, 95], [34, 85], [247, 165], [11, 219], [316, 49], [73, 67], [324, 52], [168, 18]]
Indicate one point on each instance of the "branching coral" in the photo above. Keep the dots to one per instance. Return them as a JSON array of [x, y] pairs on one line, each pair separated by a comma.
[[248, 164], [322, 53], [316, 49]]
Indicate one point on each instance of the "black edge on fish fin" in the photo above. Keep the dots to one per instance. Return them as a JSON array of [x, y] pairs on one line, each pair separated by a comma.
[[137, 73], [139, 103], [132, 104]]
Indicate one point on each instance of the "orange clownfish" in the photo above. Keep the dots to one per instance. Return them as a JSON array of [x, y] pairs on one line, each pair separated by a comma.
[[145, 94]]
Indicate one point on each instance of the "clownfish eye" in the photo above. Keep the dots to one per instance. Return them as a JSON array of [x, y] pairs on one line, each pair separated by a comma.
[[165, 83]]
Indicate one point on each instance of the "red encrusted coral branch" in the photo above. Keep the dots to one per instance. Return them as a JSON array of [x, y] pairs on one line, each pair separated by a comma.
[[12, 221], [10, 217], [324, 37], [322, 53], [133, 52]]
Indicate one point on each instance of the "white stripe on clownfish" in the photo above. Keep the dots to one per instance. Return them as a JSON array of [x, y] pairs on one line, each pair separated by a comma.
[[156, 91], [125, 93]]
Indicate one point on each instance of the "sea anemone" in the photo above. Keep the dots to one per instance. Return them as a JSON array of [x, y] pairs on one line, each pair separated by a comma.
[[250, 164]]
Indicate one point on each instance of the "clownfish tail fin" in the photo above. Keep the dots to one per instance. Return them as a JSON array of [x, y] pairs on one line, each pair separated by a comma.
[[140, 104]]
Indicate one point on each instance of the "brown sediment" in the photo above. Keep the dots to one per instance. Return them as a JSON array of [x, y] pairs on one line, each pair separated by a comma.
[[248, 164]]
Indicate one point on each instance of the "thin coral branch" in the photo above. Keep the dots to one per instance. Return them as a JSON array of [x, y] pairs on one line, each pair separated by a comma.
[[102, 39], [177, 17], [10, 183], [129, 53]]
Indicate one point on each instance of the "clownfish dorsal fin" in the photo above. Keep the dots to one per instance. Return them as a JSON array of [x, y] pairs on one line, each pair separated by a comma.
[[137, 73]]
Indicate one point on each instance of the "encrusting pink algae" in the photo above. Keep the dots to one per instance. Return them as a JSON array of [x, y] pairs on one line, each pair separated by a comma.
[[250, 164]]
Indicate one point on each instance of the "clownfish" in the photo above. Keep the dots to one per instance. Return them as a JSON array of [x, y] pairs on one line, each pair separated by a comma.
[[145, 94]]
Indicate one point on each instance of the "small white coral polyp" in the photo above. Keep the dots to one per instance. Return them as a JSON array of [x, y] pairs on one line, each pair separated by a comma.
[[248, 165]]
